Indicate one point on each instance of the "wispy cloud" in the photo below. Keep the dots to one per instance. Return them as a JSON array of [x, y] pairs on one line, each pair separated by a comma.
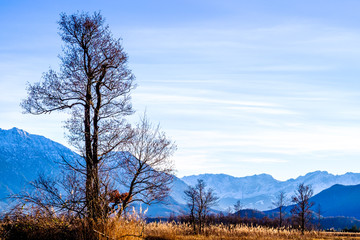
[[263, 160], [303, 140], [263, 110], [181, 99]]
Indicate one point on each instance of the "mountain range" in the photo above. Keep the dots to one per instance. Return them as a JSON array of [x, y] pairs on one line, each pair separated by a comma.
[[259, 191], [23, 156]]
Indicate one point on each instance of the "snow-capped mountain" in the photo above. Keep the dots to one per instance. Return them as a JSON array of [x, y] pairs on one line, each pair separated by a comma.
[[23, 156], [259, 191]]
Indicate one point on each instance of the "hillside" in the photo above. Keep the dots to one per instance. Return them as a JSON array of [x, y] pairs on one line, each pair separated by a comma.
[[339, 200], [23, 156], [339, 207], [336, 201]]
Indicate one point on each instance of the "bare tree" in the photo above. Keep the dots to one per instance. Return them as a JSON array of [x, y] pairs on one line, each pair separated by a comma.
[[63, 194], [93, 85], [143, 171], [318, 215], [191, 195], [280, 204], [200, 200], [237, 206], [301, 210], [145, 167]]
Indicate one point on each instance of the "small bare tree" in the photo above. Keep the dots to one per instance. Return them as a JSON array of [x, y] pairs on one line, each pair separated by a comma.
[[143, 171], [62, 194], [280, 203], [200, 200], [237, 207], [301, 211], [318, 215], [145, 168], [191, 195]]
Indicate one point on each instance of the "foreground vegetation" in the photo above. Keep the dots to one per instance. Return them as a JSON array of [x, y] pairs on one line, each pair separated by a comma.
[[37, 226], [220, 231]]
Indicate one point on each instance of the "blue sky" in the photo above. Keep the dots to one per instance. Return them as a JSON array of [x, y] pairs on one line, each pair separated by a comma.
[[243, 87]]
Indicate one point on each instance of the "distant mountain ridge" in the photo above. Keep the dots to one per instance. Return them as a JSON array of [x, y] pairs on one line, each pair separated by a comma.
[[259, 191], [24, 155]]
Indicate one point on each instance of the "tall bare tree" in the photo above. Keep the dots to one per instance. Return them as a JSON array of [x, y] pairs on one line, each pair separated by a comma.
[[200, 200], [93, 85], [301, 210], [280, 203]]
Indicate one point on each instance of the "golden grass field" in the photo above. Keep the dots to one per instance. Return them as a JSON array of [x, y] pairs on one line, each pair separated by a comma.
[[134, 228], [173, 231]]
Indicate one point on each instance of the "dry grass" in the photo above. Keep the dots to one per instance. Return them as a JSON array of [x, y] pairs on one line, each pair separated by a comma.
[[37, 226], [173, 231], [37, 229], [120, 228], [44, 227]]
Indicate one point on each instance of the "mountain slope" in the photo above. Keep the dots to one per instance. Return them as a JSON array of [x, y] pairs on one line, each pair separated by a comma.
[[23, 156], [339, 207], [336, 201], [339, 200]]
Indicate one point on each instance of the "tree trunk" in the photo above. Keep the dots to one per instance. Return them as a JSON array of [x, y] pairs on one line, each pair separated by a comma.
[[302, 222], [92, 178]]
